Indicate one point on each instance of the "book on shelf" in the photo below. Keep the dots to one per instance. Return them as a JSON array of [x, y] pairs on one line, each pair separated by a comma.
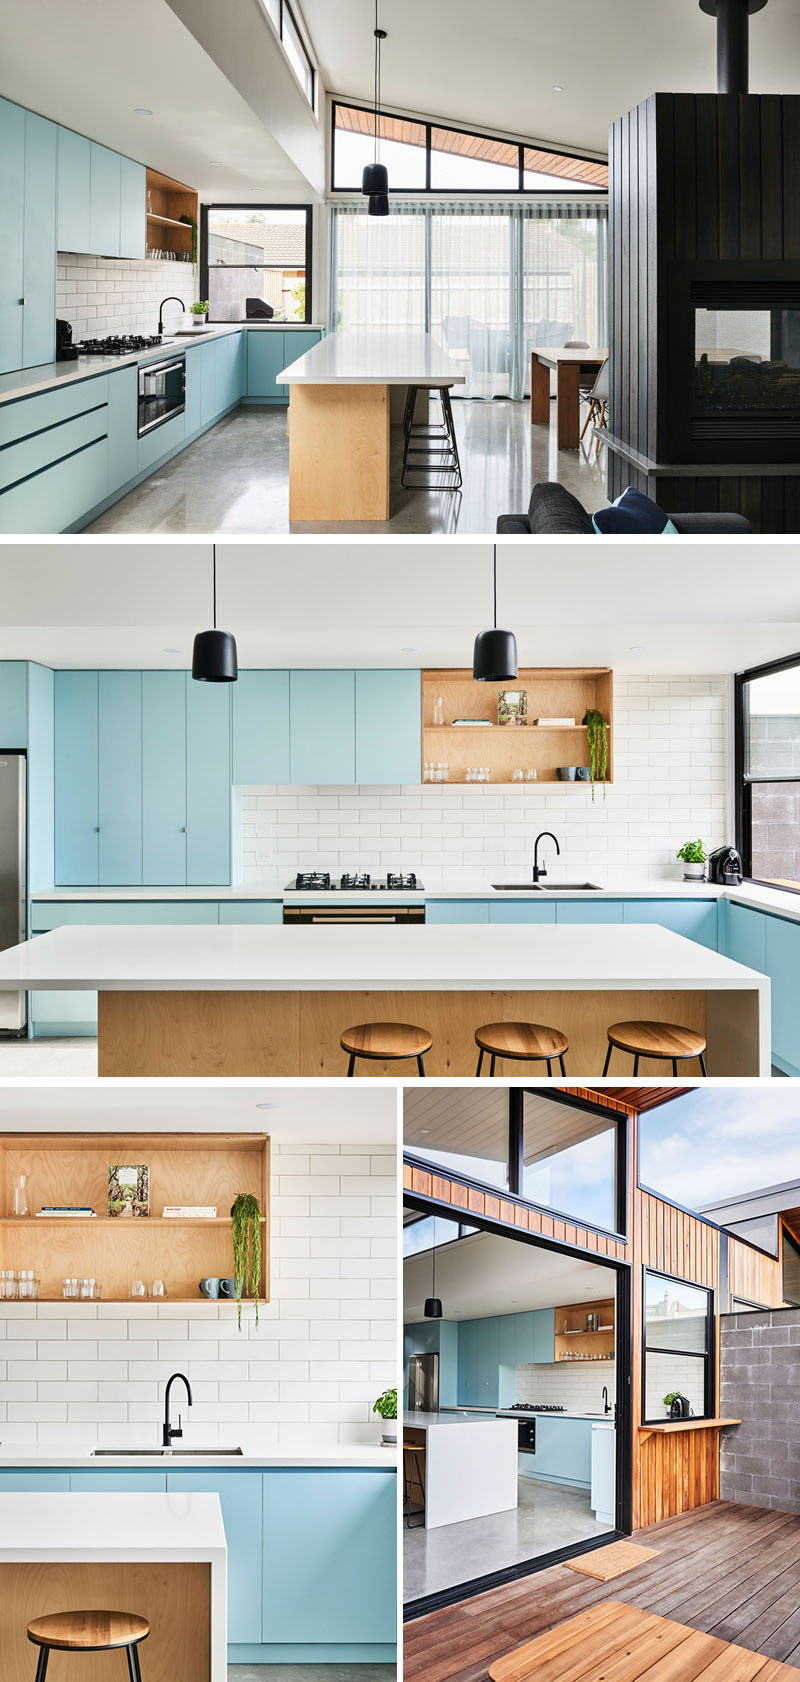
[[57, 1211], [473, 723], [192, 1211], [556, 723]]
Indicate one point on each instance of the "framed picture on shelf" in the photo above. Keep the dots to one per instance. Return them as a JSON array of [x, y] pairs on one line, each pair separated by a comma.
[[512, 706], [128, 1189]]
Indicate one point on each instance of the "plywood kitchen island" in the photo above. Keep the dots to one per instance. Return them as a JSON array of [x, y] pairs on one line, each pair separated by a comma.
[[257, 1000], [340, 417]]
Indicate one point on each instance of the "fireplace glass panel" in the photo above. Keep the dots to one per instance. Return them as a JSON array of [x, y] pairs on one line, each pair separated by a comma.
[[747, 360]]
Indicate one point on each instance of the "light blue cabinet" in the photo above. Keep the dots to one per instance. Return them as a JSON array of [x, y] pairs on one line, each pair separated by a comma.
[[329, 1557], [783, 969], [208, 782], [74, 191], [123, 441], [479, 1362], [523, 911], [457, 911], [164, 778], [322, 727], [29, 1481], [104, 201], [230, 371], [13, 705], [120, 1483], [267, 911], [40, 778], [132, 211], [12, 205], [193, 413], [120, 777], [265, 360], [747, 937], [261, 728], [240, 1495], [563, 1451], [585, 911], [39, 241], [77, 823], [694, 918], [388, 727]]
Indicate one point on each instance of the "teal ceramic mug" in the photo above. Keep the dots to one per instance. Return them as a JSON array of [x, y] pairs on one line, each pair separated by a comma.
[[227, 1287], [210, 1287]]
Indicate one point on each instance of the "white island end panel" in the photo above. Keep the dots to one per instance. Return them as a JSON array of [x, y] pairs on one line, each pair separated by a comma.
[[470, 1467]]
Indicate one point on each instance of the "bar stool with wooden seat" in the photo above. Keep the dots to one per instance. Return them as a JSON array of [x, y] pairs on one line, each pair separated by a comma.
[[88, 1632], [665, 1040], [386, 1042], [413, 1478], [432, 449], [525, 1042]]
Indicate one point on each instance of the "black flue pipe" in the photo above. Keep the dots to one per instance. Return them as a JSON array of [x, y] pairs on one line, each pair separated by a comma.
[[733, 41]]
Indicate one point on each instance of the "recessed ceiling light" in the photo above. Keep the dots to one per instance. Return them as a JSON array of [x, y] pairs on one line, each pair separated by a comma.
[[170, 651], [557, 88], [409, 650], [267, 1106], [142, 111], [637, 647], [215, 163]]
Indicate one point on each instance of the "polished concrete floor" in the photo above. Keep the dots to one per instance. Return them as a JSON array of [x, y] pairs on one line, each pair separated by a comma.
[[549, 1515], [40, 1059], [312, 1672], [236, 479]]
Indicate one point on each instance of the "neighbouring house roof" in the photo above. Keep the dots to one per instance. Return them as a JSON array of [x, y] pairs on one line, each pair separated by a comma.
[[259, 242]]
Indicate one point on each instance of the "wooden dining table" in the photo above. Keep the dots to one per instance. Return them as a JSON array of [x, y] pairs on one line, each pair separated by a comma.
[[614, 1640], [573, 368]]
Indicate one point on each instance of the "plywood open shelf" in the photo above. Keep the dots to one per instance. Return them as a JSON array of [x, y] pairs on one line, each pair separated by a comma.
[[167, 202], [185, 1169], [553, 692], [574, 1342]]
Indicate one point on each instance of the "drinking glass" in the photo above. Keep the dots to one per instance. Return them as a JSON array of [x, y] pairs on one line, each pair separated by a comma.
[[70, 1289], [531, 775], [158, 1290], [90, 1290], [9, 1288], [138, 1290], [517, 776], [28, 1285]]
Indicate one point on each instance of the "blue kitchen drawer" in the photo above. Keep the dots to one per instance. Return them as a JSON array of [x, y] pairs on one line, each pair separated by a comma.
[[330, 1544], [120, 1483], [696, 919], [28, 1481], [60, 496], [601, 911], [30, 455], [164, 439], [521, 911], [50, 408], [251, 911], [456, 911], [55, 914], [240, 1496]]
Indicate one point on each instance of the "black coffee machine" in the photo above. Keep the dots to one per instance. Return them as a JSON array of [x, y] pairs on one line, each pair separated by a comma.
[[66, 351], [725, 867]]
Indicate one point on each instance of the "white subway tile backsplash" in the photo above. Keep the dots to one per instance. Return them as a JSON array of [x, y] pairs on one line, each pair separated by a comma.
[[100, 296], [95, 1373]]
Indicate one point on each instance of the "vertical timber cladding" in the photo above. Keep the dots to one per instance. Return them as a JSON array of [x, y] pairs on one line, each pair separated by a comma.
[[694, 178]]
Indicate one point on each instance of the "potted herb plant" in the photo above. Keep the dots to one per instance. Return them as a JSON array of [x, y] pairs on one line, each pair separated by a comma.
[[199, 312], [246, 1233], [676, 1405], [693, 855], [597, 741], [386, 1406]]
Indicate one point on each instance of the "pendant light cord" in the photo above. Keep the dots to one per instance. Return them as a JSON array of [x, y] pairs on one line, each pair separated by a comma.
[[377, 80], [214, 581], [433, 1267], [494, 577]]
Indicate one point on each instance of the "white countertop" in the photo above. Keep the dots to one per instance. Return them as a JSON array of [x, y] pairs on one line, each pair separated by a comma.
[[598, 1417], [82, 1526], [371, 357], [181, 896], [343, 1457], [426, 1421], [27, 382], [241, 957]]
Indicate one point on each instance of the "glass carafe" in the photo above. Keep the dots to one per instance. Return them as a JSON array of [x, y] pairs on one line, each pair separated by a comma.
[[19, 1196]]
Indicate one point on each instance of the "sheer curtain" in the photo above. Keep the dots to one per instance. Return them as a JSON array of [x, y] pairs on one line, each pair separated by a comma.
[[488, 280]]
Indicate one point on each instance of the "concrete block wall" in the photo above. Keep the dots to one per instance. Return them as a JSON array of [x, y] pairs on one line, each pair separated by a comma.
[[759, 1371]]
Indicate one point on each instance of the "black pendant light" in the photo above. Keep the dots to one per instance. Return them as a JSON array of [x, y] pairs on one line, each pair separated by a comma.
[[494, 657], [433, 1304], [214, 657], [375, 178]]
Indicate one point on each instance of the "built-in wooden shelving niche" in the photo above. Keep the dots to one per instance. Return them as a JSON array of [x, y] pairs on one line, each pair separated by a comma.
[[574, 1343], [194, 1169], [552, 692], [167, 202]]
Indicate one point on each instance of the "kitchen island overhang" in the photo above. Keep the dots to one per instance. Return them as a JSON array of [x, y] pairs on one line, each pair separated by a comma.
[[162, 1556], [213, 1000]]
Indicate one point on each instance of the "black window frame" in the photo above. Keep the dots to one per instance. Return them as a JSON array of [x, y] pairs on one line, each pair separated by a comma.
[[708, 1357], [787, 1238], [308, 210], [284, 6], [561, 184], [744, 786]]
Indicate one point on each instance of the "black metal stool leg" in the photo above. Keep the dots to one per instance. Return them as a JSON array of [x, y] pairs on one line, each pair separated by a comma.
[[480, 1062], [675, 1065], [492, 1064], [636, 1064], [608, 1058], [352, 1063], [421, 1067], [447, 410], [703, 1064], [137, 1671], [41, 1668], [561, 1061], [549, 1069], [129, 1651]]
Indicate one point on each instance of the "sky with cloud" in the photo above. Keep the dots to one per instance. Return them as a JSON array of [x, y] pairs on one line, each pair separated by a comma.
[[713, 1143]]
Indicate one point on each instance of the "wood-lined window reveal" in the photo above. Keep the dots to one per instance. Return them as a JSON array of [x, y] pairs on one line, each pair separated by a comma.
[[569, 1160], [429, 157], [790, 1267], [767, 726], [678, 1346]]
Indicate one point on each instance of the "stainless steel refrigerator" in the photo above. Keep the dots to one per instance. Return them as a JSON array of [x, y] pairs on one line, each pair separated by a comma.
[[13, 878], [423, 1383]]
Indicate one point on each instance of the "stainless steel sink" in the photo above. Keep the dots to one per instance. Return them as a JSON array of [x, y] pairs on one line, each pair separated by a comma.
[[162, 1453], [546, 887]]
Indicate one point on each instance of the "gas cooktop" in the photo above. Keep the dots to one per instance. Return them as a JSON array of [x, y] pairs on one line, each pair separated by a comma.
[[122, 345], [535, 1407], [321, 881]]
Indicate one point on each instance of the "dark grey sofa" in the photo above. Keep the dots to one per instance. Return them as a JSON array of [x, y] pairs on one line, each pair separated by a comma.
[[555, 512]]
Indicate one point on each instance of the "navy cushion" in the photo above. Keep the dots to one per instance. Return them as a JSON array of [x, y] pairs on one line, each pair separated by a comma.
[[554, 511], [635, 513]]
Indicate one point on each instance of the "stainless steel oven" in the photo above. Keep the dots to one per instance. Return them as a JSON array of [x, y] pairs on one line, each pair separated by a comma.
[[162, 392], [526, 1432], [339, 914]]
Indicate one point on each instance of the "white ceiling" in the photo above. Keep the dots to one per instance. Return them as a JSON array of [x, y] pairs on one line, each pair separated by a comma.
[[497, 67], [485, 1275], [88, 63], [355, 1114], [651, 607]]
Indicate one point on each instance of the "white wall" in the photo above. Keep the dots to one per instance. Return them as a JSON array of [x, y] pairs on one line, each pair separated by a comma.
[[101, 295], [325, 1348], [671, 771]]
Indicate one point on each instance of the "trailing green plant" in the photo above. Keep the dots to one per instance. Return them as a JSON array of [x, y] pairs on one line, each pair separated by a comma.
[[246, 1233], [200, 308], [386, 1405], [597, 738], [190, 223], [692, 852]]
